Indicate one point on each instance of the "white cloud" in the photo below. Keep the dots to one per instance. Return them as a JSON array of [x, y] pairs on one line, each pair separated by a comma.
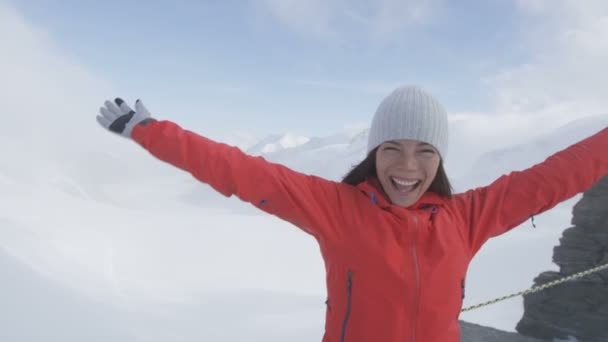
[[49, 101], [567, 72], [392, 16], [534, 6], [49, 139], [305, 17], [335, 19], [367, 87]]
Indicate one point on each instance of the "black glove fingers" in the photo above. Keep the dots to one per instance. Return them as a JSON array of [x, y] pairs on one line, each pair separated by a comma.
[[124, 107]]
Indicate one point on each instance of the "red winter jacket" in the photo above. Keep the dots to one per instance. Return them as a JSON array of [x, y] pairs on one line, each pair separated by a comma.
[[393, 273]]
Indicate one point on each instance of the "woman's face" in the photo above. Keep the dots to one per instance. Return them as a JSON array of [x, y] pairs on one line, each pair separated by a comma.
[[406, 169]]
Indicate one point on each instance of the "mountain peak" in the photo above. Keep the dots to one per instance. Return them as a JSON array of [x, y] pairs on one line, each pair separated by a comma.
[[275, 143]]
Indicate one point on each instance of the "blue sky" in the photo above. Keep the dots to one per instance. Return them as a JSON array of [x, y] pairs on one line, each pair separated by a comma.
[[312, 67]]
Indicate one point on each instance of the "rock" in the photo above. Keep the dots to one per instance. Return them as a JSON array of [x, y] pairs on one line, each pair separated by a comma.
[[577, 308], [477, 333]]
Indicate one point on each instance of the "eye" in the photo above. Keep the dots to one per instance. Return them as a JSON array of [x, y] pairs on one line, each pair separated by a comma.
[[428, 150], [390, 148]]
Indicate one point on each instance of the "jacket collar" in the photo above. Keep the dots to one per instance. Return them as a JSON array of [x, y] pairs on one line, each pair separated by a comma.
[[373, 190]]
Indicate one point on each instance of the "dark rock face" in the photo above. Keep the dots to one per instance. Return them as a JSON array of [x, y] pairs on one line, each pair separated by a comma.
[[577, 308], [477, 333]]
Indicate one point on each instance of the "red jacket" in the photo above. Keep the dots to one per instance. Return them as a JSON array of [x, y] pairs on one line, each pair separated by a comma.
[[393, 273]]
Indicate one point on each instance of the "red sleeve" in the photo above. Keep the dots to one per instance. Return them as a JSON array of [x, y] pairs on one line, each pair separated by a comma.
[[311, 203], [512, 199]]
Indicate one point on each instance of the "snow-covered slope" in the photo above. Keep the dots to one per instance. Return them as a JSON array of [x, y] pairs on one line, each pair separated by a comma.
[[36, 308], [118, 226]]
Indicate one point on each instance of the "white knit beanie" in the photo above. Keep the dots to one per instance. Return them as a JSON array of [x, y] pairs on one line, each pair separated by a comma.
[[410, 113]]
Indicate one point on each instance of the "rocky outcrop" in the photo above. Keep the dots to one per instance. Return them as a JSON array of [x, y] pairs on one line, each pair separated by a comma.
[[477, 333], [577, 308]]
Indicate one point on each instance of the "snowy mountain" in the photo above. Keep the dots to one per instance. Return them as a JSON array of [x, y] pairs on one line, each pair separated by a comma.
[[125, 233], [525, 154], [276, 143], [329, 157]]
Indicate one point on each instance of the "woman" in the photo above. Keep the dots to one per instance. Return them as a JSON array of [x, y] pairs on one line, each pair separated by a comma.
[[395, 241]]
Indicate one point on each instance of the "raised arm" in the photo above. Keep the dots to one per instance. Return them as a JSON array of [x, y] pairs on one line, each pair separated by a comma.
[[512, 199], [311, 203]]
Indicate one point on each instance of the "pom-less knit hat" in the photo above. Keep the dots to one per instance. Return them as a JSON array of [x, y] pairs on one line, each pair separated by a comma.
[[410, 113]]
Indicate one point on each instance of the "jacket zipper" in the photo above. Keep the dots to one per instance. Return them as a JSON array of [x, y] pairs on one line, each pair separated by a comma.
[[417, 271], [349, 292]]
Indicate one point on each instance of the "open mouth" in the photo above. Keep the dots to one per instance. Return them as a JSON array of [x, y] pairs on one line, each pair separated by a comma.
[[405, 186]]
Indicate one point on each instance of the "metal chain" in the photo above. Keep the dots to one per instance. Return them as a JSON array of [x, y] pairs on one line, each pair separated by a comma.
[[540, 287]]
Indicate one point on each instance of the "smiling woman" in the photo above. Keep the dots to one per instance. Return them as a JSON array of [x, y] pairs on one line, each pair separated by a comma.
[[395, 242], [406, 169], [367, 170], [406, 148]]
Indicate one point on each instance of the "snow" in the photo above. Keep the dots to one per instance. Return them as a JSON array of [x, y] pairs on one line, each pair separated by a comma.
[[146, 253]]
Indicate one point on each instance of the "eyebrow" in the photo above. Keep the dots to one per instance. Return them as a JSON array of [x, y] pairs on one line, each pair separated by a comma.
[[420, 144], [393, 142]]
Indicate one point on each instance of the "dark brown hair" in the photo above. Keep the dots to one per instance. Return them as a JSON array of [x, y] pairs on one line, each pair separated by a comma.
[[367, 169]]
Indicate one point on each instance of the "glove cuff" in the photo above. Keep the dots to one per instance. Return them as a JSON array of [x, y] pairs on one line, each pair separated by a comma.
[[146, 121]]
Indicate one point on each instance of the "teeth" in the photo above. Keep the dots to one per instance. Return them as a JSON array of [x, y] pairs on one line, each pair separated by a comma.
[[405, 183]]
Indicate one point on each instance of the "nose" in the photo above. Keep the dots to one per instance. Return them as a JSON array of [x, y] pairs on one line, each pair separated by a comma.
[[408, 162]]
